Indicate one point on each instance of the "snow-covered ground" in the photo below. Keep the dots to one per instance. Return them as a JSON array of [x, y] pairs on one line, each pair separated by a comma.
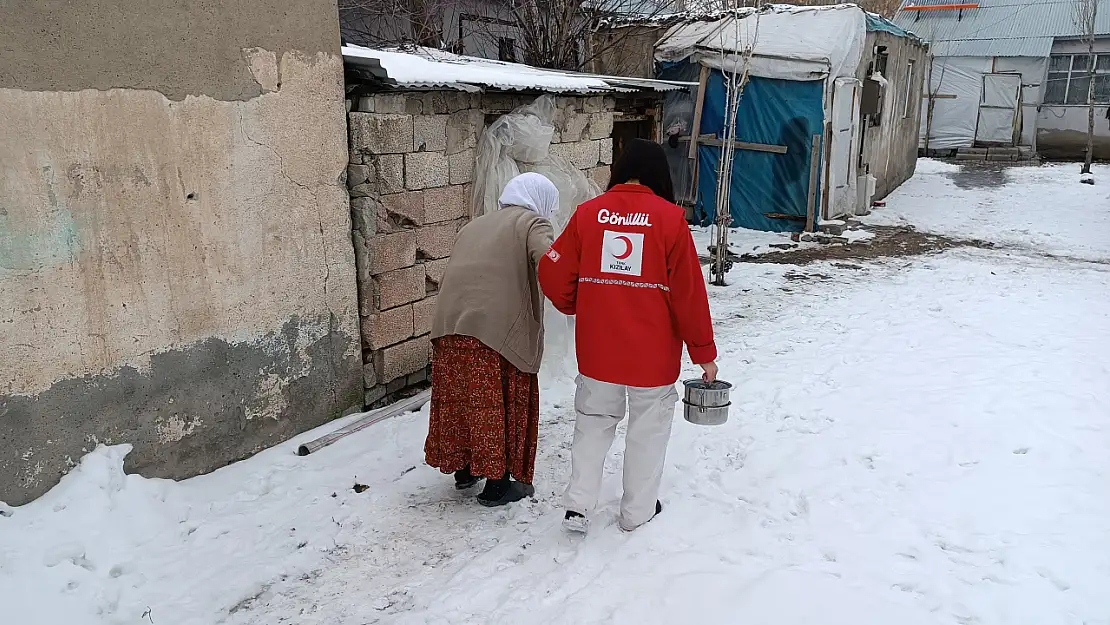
[[918, 440], [1042, 209]]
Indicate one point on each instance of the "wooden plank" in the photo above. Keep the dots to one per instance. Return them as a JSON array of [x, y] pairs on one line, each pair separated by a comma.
[[811, 206], [826, 188], [739, 145], [699, 106], [743, 145]]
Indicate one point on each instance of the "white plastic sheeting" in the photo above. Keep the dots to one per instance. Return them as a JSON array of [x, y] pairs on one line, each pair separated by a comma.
[[1032, 72], [998, 108], [957, 85], [791, 43], [521, 142]]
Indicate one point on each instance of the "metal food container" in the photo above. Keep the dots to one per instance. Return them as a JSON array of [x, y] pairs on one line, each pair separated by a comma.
[[706, 403]]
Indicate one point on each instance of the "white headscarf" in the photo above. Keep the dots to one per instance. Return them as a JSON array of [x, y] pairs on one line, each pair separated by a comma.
[[532, 191]]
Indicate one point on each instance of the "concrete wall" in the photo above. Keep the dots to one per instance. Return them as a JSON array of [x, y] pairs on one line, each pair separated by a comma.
[[411, 180], [890, 149], [1062, 129], [175, 253]]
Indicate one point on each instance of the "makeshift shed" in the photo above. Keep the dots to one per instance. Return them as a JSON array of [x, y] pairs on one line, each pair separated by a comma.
[[813, 94], [1011, 73]]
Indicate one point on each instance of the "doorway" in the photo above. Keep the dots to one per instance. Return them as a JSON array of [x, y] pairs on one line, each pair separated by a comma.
[[999, 120]]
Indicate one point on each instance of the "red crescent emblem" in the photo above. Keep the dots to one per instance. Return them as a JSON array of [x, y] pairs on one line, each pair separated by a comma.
[[627, 249]]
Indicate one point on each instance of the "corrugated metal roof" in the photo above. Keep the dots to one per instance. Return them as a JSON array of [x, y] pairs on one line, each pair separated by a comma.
[[997, 27], [1018, 46], [425, 68]]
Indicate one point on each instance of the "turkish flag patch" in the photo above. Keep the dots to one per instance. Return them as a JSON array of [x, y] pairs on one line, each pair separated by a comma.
[[553, 255]]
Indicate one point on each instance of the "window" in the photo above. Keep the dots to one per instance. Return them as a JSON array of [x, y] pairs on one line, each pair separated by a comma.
[[506, 49], [1069, 79], [879, 66], [909, 92]]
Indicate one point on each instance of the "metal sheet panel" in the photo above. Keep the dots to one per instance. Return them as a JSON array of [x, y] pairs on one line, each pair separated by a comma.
[[996, 22]]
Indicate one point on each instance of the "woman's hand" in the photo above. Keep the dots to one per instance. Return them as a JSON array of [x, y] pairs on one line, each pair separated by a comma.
[[709, 372]]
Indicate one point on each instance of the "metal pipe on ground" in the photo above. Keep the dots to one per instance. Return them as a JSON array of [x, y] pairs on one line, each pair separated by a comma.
[[367, 419]]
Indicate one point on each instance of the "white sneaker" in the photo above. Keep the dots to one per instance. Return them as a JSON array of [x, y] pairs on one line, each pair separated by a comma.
[[576, 523]]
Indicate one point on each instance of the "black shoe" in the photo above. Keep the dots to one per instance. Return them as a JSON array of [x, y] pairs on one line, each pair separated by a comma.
[[464, 479], [499, 496]]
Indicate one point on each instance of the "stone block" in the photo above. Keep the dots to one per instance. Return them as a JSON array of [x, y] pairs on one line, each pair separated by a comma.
[[424, 170], [392, 251], [580, 155], [593, 104], [402, 359], [364, 215], [374, 395], [574, 127], [463, 130], [388, 173], [569, 104], [399, 287], [404, 209], [459, 101], [388, 327], [369, 376], [365, 104], [447, 203], [461, 166], [605, 151], [417, 378], [388, 103], [367, 296], [436, 240], [363, 256], [437, 102], [601, 126], [380, 133], [423, 312], [498, 102], [599, 176], [430, 133], [357, 174], [434, 270]]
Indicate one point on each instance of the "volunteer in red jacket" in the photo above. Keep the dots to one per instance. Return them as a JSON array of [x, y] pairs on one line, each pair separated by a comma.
[[626, 267]]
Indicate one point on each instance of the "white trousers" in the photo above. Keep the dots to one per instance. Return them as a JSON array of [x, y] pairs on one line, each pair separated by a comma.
[[600, 406]]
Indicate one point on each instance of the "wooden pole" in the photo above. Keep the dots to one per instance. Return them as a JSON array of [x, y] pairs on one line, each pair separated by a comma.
[[811, 206], [703, 79]]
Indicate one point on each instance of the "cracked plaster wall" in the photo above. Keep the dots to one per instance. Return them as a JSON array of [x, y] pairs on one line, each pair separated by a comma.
[[176, 267]]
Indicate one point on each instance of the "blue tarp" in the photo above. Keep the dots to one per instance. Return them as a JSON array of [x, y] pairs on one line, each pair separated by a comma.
[[881, 24], [774, 112]]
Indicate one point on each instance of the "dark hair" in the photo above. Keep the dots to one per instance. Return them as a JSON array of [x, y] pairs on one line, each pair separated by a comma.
[[645, 161]]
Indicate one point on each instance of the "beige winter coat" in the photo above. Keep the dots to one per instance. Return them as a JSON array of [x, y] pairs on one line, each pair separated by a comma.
[[490, 291]]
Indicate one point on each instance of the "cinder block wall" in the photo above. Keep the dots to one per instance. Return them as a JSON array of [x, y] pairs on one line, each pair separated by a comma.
[[411, 180]]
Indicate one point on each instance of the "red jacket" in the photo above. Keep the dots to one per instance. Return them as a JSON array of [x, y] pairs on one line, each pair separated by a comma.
[[627, 267]]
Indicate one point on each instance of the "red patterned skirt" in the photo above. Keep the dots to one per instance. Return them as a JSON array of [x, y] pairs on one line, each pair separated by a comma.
[[485, 412]]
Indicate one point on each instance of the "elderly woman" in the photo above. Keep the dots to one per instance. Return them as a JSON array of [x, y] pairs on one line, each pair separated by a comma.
[[487, 341]]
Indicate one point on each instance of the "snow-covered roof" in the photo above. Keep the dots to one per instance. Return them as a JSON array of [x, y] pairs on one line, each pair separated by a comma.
[[788, 42], [426, 68]]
